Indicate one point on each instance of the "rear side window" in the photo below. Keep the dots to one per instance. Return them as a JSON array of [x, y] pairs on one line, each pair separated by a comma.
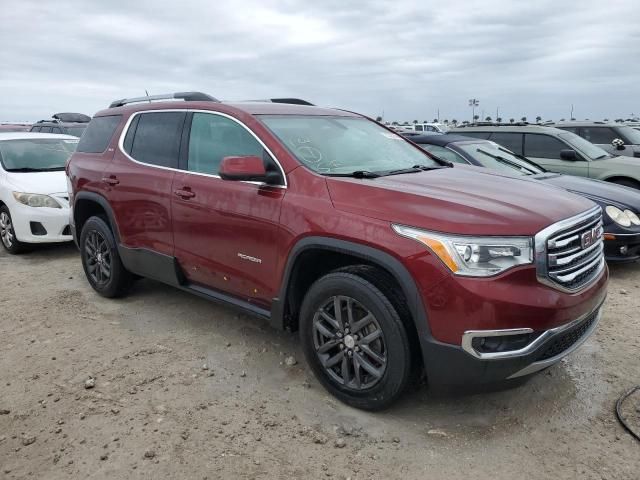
[[46, 130], [35, 129], [542, 146], [98, 134], [510, 141], [156, 139], [214, 137], [55, 130]]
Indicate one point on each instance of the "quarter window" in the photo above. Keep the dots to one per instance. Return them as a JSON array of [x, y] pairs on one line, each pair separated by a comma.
[[156, 139], [542, 146], [214, 137], [98, 134], [510, 141]]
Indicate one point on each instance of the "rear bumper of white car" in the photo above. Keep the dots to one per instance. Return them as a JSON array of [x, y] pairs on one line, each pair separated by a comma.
[[40, 224]]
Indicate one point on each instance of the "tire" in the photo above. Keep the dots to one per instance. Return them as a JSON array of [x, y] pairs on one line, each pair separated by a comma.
[[625, 182], [100, 259], [8, 235], [377, 371]]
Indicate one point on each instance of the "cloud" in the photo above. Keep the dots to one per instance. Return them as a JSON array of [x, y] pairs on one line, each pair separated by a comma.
[[407, 59]]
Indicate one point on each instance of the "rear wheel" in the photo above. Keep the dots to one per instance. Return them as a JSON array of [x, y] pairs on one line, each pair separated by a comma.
[[355, 341], [8, 234], [101, 261]]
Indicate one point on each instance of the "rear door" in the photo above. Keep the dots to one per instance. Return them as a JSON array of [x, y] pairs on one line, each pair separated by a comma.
[[226, 232], [600, 136], [140, 177], [545, 150]]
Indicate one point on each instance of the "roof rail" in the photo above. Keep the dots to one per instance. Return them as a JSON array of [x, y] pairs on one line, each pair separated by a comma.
[[495, 124], [186, 96], [291, 101]]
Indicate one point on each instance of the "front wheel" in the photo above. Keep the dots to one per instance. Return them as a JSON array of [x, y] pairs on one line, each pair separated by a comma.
[[8, 234], [101, 261], [355, 341]]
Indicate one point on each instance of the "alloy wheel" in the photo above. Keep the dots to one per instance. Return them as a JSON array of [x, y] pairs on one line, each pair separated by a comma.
[[6, 230], [98, 257], [349, 343]]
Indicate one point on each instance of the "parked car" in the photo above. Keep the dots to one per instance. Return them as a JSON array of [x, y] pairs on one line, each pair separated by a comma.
[[615, 138], [67, 123], [560, 151], [34, 204], [620, 204], [385, 259], [14, 127], [426, 127]]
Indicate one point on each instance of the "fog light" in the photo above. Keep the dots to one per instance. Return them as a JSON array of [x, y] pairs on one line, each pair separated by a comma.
[[624, 250], [503, 343]]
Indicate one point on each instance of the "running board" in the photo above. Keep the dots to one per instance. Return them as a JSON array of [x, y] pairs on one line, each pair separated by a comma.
[[225, 299]]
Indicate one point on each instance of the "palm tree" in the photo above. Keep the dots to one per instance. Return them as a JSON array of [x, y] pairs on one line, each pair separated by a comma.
[[435, 120], [465, 122], [605, 120], [476, 117], [487, 119], [499, 119], [538, 119], [512, 120], [415, 122], [446, 121], [378, 119], [394, 123], [562, 120], [454, 121], [524, 119]]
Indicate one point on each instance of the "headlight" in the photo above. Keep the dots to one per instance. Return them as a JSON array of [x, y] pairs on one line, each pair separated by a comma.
[[474, 256], [36, 200], [618, 216], [633, 217]]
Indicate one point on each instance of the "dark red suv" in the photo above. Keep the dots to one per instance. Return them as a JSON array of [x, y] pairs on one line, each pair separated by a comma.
[[387, 260]]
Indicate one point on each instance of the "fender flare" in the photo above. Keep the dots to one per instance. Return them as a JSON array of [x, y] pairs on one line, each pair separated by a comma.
[[371, 255], [103, 202]]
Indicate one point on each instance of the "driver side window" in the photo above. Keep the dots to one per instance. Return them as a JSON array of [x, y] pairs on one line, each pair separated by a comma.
[[214, 137]]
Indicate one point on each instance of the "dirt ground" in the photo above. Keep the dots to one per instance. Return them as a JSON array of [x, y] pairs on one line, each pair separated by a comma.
[[186, 389]]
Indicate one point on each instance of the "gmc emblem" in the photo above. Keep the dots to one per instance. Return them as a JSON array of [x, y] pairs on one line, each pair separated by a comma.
[[590, 237]]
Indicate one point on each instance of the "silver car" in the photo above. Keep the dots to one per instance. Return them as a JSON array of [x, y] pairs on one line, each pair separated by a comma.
[[615, 138]]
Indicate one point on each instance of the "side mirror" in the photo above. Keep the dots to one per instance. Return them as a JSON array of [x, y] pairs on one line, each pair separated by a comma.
[[243, 169], [618, 143], [568, 154]]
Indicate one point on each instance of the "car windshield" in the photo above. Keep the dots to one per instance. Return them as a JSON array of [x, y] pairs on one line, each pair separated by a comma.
[[491, 155], [37, 154], [584, 146], [343, 145], [632, 134], [76, 131]]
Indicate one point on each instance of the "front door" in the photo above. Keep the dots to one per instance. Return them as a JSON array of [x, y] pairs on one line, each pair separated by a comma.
[[545, 150], [226, 233]]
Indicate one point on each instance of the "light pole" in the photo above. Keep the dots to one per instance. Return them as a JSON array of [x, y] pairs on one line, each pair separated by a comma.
[[473, 103]]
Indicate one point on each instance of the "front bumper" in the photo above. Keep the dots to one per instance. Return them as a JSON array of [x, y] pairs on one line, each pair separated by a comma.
[[622, 247], [453, 365], [40, 224]]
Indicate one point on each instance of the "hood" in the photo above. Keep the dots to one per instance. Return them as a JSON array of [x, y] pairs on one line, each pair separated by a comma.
[[461, 200], [605, 193], [38, 182], [621, 160]]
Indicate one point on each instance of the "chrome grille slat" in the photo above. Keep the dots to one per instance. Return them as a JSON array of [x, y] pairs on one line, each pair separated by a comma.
[[561, 260]]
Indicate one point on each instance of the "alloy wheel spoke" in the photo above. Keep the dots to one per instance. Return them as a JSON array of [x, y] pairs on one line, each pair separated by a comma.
[[345, 370], [369, 367], [337, 311], [356, 371], [329, 345], [325, 331], [371, 337], [360, 324], [330, 319], [331, 361], [370, 353]]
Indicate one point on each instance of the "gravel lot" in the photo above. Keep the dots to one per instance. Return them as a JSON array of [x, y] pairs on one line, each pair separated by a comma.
[[187, 389]]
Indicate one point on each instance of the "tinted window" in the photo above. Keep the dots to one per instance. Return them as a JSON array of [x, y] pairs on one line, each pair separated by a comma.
[[55, 130], [510, 141], [157, 138], [214, 137], [482, 135], [98, 134], [46, 130], [419, 128], [76, 131], [598, 135], [36, 129], [543, 146], [444, 153]]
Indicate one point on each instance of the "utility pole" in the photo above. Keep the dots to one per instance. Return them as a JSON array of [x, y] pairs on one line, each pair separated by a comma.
[[473, 103], [571, 116], [497, 113], [438, 115]]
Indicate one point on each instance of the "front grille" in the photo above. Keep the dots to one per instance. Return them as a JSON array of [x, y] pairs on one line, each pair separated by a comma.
[[572, 251], [567, 339]]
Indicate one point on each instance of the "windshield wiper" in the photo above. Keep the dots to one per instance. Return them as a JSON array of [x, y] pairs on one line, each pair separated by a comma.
[[414, 169], [29, 169], [507, 162], [355, 174]]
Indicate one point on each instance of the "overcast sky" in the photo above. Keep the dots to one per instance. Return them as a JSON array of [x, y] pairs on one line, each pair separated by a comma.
[[408, 59]]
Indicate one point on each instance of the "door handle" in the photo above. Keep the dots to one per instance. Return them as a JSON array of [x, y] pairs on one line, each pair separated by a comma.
[[184, 193], [111, 180]]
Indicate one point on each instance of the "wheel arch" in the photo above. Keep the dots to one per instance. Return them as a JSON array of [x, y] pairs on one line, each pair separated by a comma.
[[335, 253], [88, 204]]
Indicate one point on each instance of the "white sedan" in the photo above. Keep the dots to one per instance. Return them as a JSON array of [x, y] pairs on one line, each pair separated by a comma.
[[34, 203]]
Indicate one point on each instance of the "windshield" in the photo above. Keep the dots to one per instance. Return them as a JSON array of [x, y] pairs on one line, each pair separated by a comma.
[[33, 155], [584, 146], [491, 155], [76, 131], [632, 134], [342, 145]]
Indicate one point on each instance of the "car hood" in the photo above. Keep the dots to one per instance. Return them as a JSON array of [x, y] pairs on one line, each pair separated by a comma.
[[597, 190], [38, 182], [617, 160], [462, 200]]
